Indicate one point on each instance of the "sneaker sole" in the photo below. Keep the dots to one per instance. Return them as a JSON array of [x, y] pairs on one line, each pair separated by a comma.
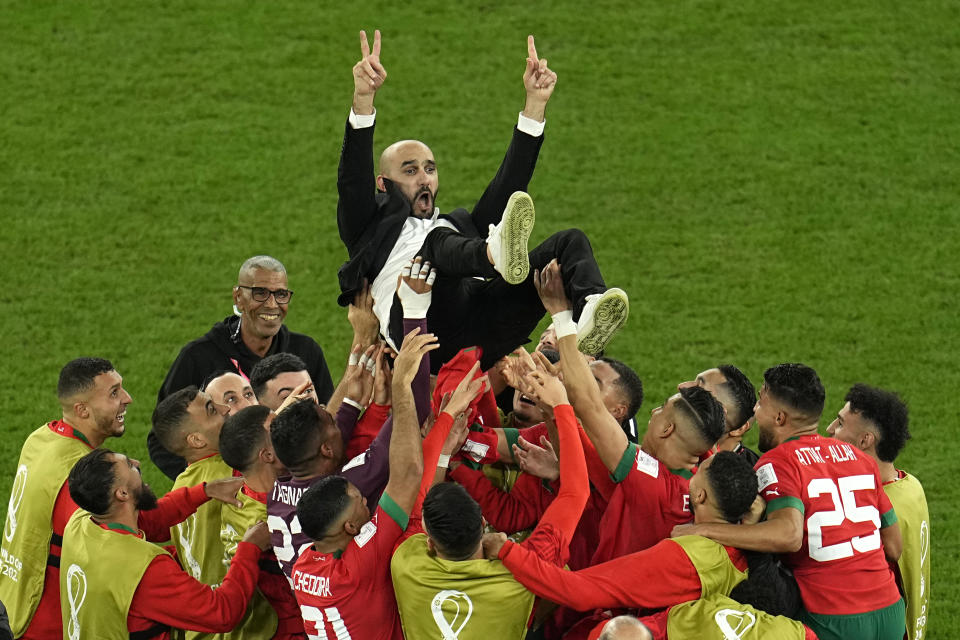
[[609, 316], [518, 219]]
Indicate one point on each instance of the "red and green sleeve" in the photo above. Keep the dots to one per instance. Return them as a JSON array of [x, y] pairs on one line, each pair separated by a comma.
[[168, 595], [654, 578], [172, 509], [506, 511]]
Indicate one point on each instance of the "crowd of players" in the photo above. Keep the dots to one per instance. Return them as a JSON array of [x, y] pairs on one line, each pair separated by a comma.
[[453, 484]]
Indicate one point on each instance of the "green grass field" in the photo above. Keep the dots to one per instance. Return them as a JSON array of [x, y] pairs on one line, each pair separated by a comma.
[[768, 182]]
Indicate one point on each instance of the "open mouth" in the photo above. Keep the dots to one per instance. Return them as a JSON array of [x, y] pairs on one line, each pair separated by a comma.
[[424, 201], [120, 416], [526, 400], [270, 317]]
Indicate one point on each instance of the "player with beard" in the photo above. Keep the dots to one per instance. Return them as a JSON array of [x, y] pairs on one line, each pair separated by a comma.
[[827, 514], [482, 256], [118, 584], [93, 403]]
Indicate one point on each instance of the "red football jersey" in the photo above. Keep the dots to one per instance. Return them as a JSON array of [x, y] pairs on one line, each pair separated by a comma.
[[350, 595], [840, 567], [647, 503]]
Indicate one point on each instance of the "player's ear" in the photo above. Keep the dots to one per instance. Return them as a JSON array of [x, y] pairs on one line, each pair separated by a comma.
[[380, 185], [619, 412], [266, 455], [740, 431], [350, 527], [667, 429], [326, 450], [866, 440], [195, 440], [80, 410], [236, 298], [781, 418]]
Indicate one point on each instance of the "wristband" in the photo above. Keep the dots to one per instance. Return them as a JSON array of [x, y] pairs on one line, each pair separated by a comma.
[[415, 305], [352, 403], [563, 324], [443, 461]]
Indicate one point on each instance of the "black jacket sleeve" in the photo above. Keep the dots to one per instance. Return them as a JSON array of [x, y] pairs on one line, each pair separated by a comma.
[[514, 174], [356, 186]]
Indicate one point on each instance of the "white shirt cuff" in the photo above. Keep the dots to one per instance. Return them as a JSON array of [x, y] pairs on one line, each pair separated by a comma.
[[365, 121], [353, 403], [528, 125]]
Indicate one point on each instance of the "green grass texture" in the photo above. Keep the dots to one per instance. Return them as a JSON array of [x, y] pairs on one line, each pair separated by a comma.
[[769, 182]]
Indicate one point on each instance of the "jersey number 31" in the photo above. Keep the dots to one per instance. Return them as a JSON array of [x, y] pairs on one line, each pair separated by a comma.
[[844, 508]]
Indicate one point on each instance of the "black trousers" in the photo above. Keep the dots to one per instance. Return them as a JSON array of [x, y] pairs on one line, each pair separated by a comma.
[[473, 305]]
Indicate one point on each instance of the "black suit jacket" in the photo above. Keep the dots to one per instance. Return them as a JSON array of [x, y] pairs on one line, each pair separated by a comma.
[[370, 221]]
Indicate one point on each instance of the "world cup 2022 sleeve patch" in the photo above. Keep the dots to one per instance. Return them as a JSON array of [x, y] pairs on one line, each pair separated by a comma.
[[766, 476]]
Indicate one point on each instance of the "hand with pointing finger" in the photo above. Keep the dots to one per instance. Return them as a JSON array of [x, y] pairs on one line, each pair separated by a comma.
[[539, 81]]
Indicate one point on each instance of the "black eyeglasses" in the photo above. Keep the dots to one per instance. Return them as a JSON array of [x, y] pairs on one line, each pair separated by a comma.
[[262, 294]]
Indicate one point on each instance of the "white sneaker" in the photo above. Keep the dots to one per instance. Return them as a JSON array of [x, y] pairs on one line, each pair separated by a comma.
[[508, 240], [602, 316]]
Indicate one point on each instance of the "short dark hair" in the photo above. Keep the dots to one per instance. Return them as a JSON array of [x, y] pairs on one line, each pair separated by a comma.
[[733, 482], [295, 428], [272, 366], [888, 412], [744, 394], [453, 520], [796, 385], [170, 418], [552, 355], [79, 375], [321, 505], [705, 412], [242, 434], [91, 481], [629, 384]]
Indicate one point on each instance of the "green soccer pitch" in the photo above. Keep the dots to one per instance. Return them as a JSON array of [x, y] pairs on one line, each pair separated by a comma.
[[768, 182]]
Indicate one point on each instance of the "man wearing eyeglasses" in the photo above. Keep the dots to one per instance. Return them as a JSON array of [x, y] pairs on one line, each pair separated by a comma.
[[240, 341]]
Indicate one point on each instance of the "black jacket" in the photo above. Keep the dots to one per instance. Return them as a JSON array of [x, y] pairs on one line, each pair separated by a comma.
[[221, 349], [370, 222]]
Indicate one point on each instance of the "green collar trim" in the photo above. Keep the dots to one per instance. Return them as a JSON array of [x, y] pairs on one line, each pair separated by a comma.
[[116, 526]]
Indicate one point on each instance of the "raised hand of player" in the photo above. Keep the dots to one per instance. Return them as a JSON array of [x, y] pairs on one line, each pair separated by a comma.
[[360, 374], [382, 378], [360, 314], [418, 277], [492, 543], [545, 388], [457, 436], [300, 392], [224, 490], [408, 360], [466, 392], [538, 81], [259, 535], [549, 286], [539, 461], [368, 74], [516, 365]]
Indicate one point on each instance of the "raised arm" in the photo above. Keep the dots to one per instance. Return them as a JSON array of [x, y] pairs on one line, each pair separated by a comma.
[[357, 206], [517, 168], [406, 455], [605, 433]]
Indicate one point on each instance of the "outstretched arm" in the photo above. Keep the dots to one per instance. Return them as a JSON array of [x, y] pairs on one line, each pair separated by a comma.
[[406, 455], [605, 433], [539, 82]]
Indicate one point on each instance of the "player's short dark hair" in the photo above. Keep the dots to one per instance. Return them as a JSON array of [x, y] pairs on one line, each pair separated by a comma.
[[888, 412], [551, 355], [91, 481], [170, 419], [242, 435], [769, 586], [321, 505], [272, 366], [79, 375], [744, 394], [796, 385], [628, 383], [705, 412], [733, 482], [295, 429], [453, 520], [213, 376]]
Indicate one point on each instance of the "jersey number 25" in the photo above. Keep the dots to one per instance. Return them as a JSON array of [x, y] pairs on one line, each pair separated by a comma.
[[844, 508]]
